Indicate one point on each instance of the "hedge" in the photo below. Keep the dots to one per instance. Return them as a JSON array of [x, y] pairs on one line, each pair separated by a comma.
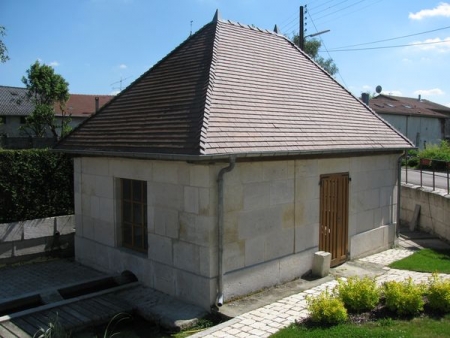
[[35, 183]]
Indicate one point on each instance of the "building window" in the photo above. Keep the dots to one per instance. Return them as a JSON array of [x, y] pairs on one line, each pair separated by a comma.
[[2, 119], [134, 214], [23, 119]]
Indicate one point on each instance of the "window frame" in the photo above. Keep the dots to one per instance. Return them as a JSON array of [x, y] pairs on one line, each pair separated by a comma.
[[129, 204]]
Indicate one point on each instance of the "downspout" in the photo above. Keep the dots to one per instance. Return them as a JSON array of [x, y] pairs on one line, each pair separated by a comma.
[[399, 192], [222, 172]]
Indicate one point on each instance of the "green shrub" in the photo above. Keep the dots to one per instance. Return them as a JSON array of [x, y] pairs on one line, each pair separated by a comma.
[[34, 183], [437, 153], [405, 298], [438, 294], [358, 294], [326, 309]]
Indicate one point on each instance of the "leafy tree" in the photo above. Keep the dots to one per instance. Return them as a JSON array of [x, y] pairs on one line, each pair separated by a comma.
[[45, 89], [311, 47], [3, 50]]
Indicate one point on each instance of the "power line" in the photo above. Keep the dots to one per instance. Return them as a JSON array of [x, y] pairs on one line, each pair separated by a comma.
[[339, 10], [324, 10], [358, 10], [396, 38], [323, 43], [385, 47]]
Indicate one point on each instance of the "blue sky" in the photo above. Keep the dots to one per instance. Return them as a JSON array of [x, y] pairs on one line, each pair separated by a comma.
[[94, 44]]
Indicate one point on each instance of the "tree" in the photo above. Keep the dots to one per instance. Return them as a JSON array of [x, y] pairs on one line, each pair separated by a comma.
[[3, 50], [45, 89], [312, 49]]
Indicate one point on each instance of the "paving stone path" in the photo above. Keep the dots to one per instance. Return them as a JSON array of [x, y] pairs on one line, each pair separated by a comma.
[[269, 319]]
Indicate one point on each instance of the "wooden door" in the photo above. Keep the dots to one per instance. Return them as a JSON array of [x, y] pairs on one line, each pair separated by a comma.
[[334, 216]]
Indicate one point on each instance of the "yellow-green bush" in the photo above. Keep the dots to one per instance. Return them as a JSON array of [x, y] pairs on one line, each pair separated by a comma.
[[438, 294], [405, 298], [358, 294], [326, 309]]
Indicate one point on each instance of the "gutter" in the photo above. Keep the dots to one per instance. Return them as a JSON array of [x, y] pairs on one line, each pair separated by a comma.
[[226, 157], [220, 216], [399, 192]]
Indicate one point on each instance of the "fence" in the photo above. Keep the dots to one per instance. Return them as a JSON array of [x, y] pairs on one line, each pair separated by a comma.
[[432, 167]]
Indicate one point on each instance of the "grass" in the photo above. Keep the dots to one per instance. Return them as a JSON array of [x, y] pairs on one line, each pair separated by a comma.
[[417, 327], [425, 260]]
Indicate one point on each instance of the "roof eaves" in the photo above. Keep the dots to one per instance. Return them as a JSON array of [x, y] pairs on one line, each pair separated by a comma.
[[225, 156]]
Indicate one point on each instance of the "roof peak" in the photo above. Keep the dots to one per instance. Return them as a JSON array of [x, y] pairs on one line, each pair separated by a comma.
[[217, 16]]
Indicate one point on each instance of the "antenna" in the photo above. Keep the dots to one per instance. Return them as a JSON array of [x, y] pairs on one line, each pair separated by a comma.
[[120, 81], [191, 28]]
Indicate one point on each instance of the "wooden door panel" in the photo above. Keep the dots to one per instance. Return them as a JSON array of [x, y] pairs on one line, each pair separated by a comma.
[[334, 216]]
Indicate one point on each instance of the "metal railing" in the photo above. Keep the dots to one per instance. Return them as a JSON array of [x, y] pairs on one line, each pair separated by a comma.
[[433, 167]]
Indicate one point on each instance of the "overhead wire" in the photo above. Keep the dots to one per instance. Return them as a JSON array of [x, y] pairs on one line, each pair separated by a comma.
[[323, 44], [355, 11], [390, 39], [395, 46]]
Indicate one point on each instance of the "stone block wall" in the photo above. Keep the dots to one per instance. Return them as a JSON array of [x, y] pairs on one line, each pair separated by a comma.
[[272, 216], [434, 214], [271, 219], [182, 224]]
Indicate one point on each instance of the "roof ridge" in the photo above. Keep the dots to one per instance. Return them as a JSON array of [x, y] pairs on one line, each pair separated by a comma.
[[209, 90], [252, 27]]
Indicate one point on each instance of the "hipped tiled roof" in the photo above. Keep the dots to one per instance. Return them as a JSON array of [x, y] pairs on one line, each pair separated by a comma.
[[234, 89], [397, 105]]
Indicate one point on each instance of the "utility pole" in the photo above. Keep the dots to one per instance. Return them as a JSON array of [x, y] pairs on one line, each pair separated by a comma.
[[301, 32]]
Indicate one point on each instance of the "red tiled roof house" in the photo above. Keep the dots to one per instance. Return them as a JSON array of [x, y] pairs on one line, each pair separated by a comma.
[[226, 166]]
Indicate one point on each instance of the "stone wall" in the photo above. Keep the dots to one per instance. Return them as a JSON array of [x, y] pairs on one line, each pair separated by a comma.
[[272, 216], [27, 239], [434, 214], [182, 224], [271, 219]]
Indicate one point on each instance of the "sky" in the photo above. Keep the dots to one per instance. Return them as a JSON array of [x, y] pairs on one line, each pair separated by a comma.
[[102, 46]]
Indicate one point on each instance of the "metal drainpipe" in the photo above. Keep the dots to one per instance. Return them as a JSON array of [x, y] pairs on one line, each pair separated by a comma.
[[222, 172], [399, 191]]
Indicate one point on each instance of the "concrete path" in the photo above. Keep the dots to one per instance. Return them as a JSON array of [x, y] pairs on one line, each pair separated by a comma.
[[266, 320]]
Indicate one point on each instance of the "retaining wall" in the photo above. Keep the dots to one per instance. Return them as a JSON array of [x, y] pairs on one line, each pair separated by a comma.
[[434, 216], [38, 237]]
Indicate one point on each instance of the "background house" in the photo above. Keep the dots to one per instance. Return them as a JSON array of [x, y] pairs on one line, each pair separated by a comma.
[[223, 168], [15, 107], [421, 121]]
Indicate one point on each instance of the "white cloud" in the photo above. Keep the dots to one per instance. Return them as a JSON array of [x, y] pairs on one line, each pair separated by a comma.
[[448, 104], [392, 92], [123, 66], [436, 44], [54, 64], [367, 88], [114, 92], [443, 9], [429, 92], [406, 60]]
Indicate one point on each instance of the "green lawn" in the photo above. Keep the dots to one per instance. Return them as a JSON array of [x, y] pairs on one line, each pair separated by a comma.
[[417, 327], [425, 260]]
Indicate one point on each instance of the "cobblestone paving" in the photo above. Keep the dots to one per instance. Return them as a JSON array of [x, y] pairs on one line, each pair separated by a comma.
[[269, 319]]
